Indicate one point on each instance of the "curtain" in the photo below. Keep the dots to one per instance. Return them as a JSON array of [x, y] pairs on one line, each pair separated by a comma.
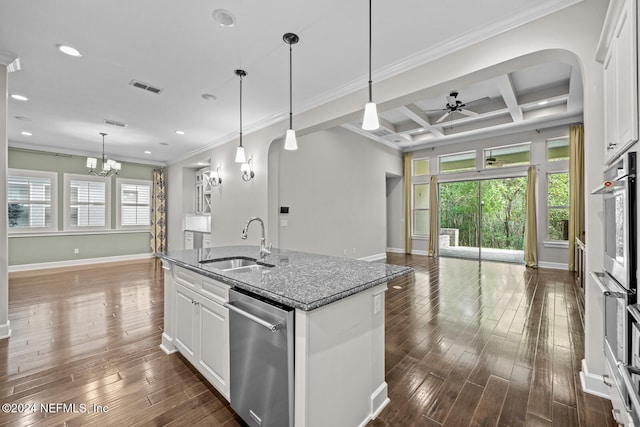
[[531, 226], [159, 213], [576, 190], [434, 209], [407, 202]]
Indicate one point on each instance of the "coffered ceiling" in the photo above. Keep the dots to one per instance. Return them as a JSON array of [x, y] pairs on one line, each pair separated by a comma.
[[180, 49]]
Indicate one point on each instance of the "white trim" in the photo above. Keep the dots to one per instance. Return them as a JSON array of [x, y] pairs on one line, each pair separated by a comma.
[[553, 265], [77, 262], [418, 252], [167, 345], [5, 330], [381, 396], [559, 244], [375, 257], [396, 250], [592, 383], [76, 233]]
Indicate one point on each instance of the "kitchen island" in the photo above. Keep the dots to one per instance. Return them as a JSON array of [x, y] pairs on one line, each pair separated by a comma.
[[339, 323]]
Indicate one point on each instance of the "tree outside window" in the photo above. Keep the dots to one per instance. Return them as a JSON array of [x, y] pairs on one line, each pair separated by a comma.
[[558, 206]]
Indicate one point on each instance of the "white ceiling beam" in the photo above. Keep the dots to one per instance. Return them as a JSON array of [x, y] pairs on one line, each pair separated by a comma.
[[413, 112], [357, 129], [505, 85]]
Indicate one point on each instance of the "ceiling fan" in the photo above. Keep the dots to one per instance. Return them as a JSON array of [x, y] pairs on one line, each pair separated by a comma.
[[493, 161], [455, 105]]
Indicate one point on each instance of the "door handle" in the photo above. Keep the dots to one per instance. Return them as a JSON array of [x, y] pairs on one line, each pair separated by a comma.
[[259, 321]]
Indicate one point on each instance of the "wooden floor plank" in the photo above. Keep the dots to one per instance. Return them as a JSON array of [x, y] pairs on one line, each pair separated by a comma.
[[467, 343]]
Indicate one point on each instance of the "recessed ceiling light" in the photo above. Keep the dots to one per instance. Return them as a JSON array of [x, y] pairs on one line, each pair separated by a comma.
[[543, 102], [164, 143], [68, 50], [23, 118], [19, 97], [25, 133], [224, 17], [208, 97], [147, 152], [179, 132]]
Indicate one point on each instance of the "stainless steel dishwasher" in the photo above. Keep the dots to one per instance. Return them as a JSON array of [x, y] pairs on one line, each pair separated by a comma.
[[261, 344]]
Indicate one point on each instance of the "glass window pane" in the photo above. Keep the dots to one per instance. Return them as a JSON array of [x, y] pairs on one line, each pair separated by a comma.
[[458, 162], [421, 167], [507, 156], [558, 206], [421, 196], [558, 149], [421, 222], [29, 202]]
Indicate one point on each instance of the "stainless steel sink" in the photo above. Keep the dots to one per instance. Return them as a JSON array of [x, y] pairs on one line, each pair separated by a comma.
[[238, 264]]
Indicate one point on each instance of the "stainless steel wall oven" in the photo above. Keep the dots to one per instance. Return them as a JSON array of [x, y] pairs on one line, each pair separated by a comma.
[[618, 281]]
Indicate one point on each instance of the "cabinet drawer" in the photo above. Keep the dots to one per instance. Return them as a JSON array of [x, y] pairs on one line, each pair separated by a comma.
[[187, 277], [216, 291]]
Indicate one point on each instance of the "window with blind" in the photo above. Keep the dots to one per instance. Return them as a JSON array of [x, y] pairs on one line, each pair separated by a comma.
[[134, 203], [87, 202], [31, 200]]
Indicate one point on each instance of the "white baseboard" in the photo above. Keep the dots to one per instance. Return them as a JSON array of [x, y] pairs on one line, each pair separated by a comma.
[[76, 262], [554, 265], [376, 257], [417, 252], [593, 383], [167, 344], [396, 250], [5, 330]]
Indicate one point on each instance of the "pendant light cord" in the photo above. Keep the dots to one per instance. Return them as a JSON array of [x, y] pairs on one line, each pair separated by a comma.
[[370, 81], [240, 110], [103, 157], [290, 87]]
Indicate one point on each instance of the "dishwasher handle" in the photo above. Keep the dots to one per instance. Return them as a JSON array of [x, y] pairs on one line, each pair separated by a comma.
[[261, 322]]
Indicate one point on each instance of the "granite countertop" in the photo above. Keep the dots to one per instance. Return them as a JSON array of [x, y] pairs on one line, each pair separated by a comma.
[[298, 279]]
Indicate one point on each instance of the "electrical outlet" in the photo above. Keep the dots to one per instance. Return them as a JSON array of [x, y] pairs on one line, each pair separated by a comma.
[[377, 304], [76, 251]]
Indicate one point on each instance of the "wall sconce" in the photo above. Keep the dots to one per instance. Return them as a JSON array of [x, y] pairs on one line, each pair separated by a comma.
[[247, 170], [214, 177]]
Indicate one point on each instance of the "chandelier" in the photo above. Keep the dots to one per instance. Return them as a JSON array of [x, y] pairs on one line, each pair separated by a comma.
[[109, 167]]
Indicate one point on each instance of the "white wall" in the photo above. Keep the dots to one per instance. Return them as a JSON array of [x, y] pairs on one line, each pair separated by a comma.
[[335, 188]]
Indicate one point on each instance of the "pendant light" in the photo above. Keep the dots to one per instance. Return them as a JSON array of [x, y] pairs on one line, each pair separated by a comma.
[[241, 157], [290, 142], [370, 118]]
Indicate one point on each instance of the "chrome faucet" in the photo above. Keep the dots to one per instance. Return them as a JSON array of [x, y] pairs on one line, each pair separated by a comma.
[[263, 241]]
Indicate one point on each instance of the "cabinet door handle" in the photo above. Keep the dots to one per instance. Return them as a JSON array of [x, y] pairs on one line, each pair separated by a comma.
[[604, 380], [611, 146]]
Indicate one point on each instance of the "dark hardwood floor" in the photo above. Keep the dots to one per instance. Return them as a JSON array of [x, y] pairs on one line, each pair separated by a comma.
[[466, 344]]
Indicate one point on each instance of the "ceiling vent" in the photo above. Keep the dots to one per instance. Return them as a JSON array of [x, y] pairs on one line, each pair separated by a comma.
[[144, 86], [114, 123], [381, 132]]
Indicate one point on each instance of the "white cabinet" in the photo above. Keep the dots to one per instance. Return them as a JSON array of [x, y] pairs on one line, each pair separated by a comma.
[[203, 192], [618, 53], [202, 326], [207, 242]]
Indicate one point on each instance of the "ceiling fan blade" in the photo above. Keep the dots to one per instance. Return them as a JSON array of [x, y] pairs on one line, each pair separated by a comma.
[[468, 113], [444, 116]]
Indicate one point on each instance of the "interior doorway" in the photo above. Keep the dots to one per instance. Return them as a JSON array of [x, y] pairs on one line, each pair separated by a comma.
[[483, 219]]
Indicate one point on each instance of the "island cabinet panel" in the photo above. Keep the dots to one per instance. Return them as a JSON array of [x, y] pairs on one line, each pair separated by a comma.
[[201, 329], [185, 322], [214, 348], [339, 372]]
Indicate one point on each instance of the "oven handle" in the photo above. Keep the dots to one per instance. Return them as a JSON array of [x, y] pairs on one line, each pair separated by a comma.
[[633, 394]]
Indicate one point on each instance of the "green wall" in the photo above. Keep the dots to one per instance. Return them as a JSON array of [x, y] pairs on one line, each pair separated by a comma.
[[50, 247]]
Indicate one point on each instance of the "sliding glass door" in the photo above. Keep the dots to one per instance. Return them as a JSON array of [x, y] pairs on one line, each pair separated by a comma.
[[484, 219]]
